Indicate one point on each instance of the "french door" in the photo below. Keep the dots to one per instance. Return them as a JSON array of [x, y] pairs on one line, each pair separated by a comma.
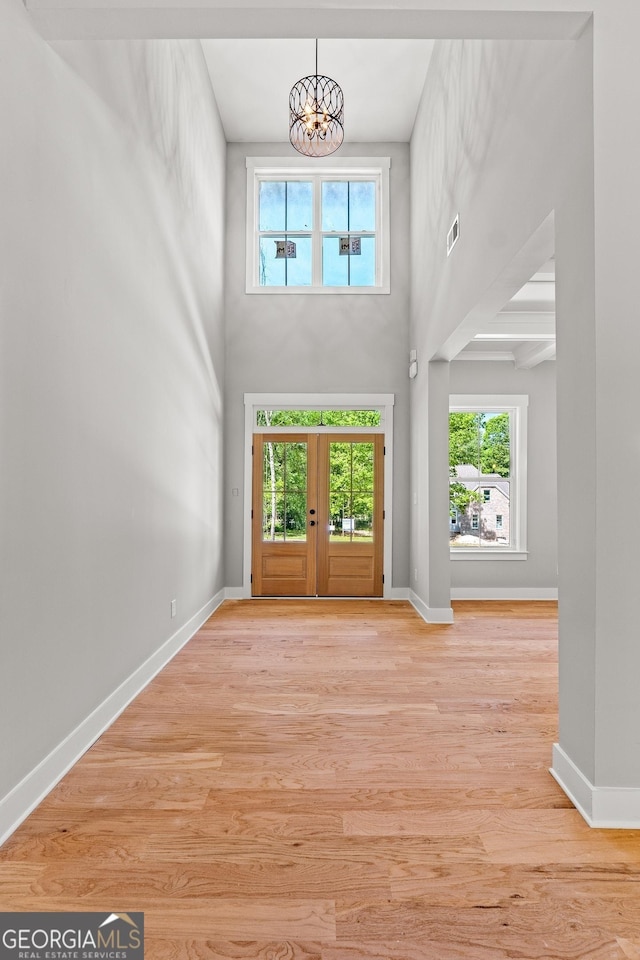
[[317, 515]]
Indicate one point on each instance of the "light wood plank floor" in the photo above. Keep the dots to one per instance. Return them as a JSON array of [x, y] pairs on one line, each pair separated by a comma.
[[337, 780]]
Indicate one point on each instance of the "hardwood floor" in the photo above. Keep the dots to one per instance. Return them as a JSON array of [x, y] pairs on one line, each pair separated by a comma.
[[337, 780]]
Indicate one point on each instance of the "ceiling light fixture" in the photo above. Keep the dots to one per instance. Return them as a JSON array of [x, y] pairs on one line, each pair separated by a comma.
[[316, 115]]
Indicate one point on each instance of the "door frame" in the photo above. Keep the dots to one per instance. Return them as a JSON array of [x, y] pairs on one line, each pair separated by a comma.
[[384, 402]]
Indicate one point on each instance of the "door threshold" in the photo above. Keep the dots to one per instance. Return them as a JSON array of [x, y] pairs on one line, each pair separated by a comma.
[[316, 597]]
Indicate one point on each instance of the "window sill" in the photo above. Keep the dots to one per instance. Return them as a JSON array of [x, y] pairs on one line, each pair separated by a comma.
[[492, 554], [340, 291]]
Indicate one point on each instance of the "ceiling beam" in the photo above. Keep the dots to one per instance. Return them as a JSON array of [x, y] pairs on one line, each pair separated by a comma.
[[486, 356], [528, 357], [535, 295], [519, 326], [536, 251], [358, 19]]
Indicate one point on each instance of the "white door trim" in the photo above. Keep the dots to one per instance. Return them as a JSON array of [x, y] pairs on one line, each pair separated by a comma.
[[321, 401]]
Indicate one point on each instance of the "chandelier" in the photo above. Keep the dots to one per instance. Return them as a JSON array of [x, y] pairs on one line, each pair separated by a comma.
[[316, 115]]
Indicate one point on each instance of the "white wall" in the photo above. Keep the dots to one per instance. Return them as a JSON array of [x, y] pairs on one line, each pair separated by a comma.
[[315, 344], [486, 145], [508, 132], [538, 575], [111, 363], [515, 128]]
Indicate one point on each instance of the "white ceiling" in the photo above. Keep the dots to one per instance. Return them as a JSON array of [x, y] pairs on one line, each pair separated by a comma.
[[382, 81]]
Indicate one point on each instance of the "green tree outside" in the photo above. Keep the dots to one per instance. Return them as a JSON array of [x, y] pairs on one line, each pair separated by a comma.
[[285, 474], [480, 440]]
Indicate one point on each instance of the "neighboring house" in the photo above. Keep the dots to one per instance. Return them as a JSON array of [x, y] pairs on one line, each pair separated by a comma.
[[487, 516]]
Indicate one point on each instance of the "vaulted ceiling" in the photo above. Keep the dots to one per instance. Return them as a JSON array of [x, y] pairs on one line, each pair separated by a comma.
[[382, 82]]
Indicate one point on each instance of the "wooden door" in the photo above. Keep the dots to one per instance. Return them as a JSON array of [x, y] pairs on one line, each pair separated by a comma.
[[284, 540], [317, 515], [350, 511]]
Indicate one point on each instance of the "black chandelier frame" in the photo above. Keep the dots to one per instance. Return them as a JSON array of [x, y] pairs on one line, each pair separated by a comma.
[[316, 115]]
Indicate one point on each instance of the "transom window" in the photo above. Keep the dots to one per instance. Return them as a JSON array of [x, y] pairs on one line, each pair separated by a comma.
[[487, 476], [317, 231], [318, 418]]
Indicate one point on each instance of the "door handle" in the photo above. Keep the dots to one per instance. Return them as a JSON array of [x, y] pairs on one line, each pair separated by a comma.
[[312, 523]]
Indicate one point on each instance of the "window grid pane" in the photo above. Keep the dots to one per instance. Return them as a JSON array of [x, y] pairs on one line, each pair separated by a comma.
[[272, 205], [299, 205], [480, 482], [347, 208], [482, 523], [278, 271], [335, 206]]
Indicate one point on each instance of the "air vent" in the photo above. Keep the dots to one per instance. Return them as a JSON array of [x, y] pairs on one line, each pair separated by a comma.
[[454, 233]]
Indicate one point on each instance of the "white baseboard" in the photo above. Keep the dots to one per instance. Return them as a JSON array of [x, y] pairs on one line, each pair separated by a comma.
[[430, 614], [26, 795], [398, 593], [234, 593], [602, 807], [504, 593], [394, 593]]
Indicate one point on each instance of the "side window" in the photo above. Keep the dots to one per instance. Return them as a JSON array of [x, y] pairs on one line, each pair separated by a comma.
[[487, 475]]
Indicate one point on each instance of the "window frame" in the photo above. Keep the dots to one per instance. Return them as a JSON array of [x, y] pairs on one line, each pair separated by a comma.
[[516, 405], [296, 168]]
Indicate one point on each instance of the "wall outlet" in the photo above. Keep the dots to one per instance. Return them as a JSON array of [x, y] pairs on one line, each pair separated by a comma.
[[174, 606]]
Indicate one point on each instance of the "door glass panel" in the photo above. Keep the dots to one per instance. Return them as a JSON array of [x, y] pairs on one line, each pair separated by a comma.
[[269, 516], [340, 517], [351, 491], [295, 515], [284, 472], [363, 509], [273, 471]]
